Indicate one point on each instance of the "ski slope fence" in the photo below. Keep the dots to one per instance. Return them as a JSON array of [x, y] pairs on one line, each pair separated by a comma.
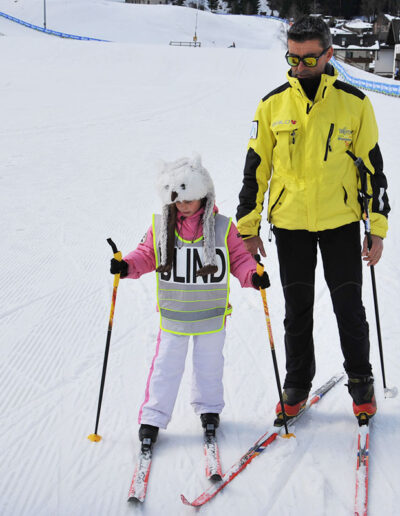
[[48, 31], [377, 87]]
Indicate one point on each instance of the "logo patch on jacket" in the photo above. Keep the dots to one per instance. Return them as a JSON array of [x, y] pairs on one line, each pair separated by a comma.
[[289, 121], [345, 136], [254, 130]]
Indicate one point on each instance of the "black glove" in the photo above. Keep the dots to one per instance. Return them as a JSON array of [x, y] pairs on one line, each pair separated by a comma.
[[117, 267], [260, 281]]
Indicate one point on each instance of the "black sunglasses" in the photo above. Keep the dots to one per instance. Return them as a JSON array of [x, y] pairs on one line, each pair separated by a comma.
[[309, 61]]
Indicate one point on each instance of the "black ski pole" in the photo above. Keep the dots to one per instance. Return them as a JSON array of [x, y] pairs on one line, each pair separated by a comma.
[[363, 171], [260, 271], [118, 256]]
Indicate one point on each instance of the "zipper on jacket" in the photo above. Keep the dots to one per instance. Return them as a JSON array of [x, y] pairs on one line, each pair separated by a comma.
[[345, 195], [275, 203], [328, 142], [293, 135], [308, 108]]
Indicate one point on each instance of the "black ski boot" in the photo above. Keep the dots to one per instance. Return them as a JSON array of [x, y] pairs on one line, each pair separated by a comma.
[[361, 389], [148, 436], [210, 423]]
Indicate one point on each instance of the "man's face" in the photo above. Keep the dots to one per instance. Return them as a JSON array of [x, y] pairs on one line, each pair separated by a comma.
[[311, 47]]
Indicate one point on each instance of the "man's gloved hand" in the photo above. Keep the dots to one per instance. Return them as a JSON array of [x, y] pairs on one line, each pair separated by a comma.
[[260, 281], [120, 268]]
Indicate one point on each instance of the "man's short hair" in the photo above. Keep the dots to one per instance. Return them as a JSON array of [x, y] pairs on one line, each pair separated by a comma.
[[310, 27]]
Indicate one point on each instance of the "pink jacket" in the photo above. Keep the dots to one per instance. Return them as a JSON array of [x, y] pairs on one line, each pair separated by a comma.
[[142, 259]]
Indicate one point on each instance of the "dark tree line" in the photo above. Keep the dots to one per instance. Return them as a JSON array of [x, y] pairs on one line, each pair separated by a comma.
[[295, 8], [337, 8]]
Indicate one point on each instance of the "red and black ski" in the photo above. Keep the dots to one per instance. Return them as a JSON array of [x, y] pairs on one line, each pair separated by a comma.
[[258, 448], [361, 498]]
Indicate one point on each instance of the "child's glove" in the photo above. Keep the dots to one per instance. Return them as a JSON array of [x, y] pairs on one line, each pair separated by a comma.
[[260, 281], [119, 267]]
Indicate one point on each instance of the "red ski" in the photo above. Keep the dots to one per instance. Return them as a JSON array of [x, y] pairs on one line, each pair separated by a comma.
[[213, 462], [361, 498], [137, 491], [258, 447]]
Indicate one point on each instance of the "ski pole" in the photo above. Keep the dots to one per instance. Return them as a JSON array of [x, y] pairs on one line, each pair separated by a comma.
[[363, 171], [118, 256], [260, 272]]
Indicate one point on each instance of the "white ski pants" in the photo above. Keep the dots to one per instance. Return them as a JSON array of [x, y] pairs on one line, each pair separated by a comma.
[[166, 372]]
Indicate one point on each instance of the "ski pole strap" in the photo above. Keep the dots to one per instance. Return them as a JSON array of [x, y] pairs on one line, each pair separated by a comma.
[[260, 266], [363, 171]]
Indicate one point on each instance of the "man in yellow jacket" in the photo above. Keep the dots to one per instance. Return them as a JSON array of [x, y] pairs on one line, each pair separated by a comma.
[[297, 150]]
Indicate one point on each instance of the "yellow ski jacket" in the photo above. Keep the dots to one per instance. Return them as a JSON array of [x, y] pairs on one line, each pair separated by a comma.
[[299, 146]]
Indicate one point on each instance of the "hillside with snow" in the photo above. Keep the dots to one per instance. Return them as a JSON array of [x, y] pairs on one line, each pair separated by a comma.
[[83, 125]]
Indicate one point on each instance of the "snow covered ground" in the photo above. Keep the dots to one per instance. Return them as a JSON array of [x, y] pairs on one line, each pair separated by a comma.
[[82, 127]]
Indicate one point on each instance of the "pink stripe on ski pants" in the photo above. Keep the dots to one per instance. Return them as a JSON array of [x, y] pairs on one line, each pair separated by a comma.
[[167, 369]]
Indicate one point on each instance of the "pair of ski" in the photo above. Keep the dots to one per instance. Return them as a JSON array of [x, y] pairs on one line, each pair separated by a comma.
[[141, 475], [137, 491]]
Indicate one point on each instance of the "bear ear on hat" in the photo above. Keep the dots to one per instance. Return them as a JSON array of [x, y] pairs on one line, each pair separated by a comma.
[[196, 161]]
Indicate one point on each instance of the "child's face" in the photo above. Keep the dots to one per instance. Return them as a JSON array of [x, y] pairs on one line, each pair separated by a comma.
[[188, 208]]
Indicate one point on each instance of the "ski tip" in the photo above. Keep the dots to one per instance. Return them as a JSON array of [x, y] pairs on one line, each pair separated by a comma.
[[95, 438], [185, 500]]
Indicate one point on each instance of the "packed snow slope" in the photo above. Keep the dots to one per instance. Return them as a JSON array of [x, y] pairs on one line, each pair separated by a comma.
[[158, 24], [83, 125]]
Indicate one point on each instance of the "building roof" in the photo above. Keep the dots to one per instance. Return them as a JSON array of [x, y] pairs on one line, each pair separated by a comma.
[[336, 30], [375, 46], [358, 24], [390, 17]]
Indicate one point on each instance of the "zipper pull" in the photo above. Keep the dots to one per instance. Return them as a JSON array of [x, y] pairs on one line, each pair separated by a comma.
[[293, 135], [270, 233]]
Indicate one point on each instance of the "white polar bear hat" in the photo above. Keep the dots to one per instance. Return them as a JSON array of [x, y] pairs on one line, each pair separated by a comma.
[[186, 180]]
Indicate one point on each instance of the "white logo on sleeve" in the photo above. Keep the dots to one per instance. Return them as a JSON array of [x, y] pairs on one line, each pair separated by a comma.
[[254, 130]]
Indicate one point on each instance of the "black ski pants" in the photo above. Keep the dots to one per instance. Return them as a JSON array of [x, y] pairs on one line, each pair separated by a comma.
[[341, 257]]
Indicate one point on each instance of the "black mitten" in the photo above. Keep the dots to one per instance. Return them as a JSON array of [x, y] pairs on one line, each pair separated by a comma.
[[119, 267], [260, 281]]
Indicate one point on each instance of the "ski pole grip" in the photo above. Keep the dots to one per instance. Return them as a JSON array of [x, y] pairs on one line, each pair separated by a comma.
[[260, 266], [117, 254]]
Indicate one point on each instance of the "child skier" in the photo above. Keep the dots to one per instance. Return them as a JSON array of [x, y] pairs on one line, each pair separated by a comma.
[[193, 249]]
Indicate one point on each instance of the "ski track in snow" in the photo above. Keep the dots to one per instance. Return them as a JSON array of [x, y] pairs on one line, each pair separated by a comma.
[[84, 125]]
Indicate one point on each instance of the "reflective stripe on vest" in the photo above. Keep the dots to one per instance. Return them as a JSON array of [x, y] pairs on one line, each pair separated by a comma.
[[190, 304]]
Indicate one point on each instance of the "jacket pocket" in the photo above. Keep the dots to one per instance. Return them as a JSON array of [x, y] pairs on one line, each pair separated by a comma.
[[351, 202], [286, 135], [275, 203]]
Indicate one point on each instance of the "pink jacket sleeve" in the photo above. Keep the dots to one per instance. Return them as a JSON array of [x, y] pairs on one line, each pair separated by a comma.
[[243, 265], [142, 259]]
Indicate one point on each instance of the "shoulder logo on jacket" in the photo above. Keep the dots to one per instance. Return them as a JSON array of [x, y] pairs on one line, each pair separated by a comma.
[[254, 130]]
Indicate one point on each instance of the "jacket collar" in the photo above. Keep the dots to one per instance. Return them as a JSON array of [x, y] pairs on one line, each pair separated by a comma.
[[327, 79]]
